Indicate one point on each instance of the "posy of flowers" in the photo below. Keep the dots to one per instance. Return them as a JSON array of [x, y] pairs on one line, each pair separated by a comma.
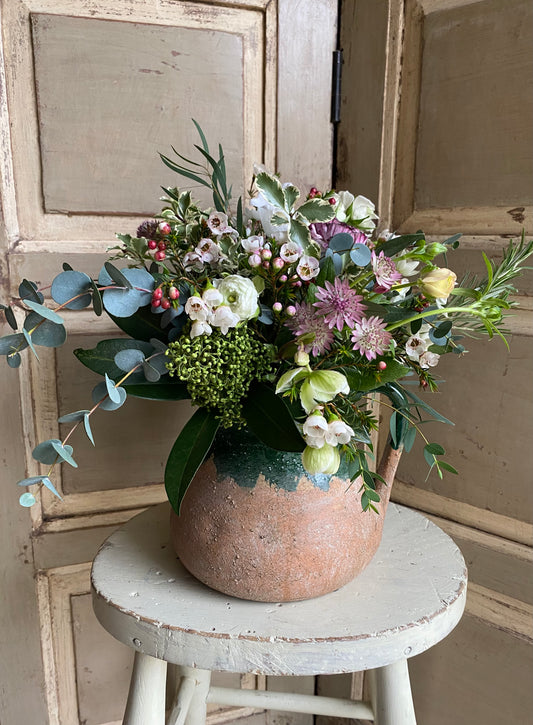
[[286, 317]]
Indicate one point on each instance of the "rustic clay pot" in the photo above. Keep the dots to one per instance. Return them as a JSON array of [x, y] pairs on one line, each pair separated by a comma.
[[255, 525]]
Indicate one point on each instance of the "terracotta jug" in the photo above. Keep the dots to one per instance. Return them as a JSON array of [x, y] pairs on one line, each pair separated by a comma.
[[255, 525]]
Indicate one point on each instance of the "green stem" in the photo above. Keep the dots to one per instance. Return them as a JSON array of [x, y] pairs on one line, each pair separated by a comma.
[[428, 313]]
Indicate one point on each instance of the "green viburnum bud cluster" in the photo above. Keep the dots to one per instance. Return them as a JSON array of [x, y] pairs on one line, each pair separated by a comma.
[[219, 369]]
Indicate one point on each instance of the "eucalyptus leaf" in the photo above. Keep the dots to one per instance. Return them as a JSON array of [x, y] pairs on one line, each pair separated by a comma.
[[87, 426], [188, 453], [12, 343], [46, 452], [126, 302], [117, 275], [31, 481], [150, 373], [69, 285], [341, 242], [65, 452], [100, 395], [30, 343], [28, 291], [126, 360], [266, 316], [73, 417], [45, 312], [98, 306], [360, 255], [14, 360], [143, 325], [43, 332], [112, 391], [27, 500], [10, 316]]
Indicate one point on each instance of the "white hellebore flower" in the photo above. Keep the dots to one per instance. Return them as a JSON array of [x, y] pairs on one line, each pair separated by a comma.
[[315, 429], [224, 318], [321, 386], [338, 432], [321, 460], [239, 294], [196, 308], [406, 267], [253, 244], [364, 211], [308, 267], [200, 327]]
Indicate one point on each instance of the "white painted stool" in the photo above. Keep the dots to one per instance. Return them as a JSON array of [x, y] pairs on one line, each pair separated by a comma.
[[410, 597]]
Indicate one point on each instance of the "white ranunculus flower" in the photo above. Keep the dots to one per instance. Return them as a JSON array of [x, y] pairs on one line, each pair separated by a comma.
[[364, 209], [344, 201], [224, 318], [239, 294]]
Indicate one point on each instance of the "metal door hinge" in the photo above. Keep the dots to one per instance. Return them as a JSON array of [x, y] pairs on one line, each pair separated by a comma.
[[336, 86]]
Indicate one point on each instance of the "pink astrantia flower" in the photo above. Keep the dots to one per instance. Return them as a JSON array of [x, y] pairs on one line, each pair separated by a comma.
[[385, 271], [339, 304], [370, 337], [306, 321]]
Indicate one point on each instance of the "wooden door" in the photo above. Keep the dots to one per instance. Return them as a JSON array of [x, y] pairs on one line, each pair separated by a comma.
[[89, 92], [436, 125]]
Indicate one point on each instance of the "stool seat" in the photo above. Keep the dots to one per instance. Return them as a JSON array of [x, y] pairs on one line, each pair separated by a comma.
[[410, 596]]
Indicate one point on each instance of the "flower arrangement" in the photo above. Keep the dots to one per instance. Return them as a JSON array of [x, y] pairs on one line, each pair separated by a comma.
[[286, 318]]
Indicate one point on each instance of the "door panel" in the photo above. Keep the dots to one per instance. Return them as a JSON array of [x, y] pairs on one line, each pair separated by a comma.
[[89, 93], [450, 150]]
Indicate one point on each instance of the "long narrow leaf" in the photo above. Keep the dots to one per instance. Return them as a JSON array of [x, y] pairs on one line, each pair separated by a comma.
[[270, 420], [184, 172], [201, 134], [188, 453]]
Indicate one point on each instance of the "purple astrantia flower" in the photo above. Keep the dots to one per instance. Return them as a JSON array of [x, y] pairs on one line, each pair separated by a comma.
[[306, 321], [322, 232], [385, 272], [370, 337], [339, 304]]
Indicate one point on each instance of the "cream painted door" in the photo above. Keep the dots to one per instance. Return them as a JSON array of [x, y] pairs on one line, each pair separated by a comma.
[[436, 126], [90, 91]]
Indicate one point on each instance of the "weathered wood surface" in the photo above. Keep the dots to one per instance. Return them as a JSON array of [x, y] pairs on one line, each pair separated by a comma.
[[410, 596]]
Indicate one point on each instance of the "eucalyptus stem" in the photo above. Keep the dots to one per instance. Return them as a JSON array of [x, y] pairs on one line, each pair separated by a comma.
[[429, 313]]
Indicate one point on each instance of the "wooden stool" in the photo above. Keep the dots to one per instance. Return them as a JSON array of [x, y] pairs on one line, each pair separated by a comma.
[[410, 597]]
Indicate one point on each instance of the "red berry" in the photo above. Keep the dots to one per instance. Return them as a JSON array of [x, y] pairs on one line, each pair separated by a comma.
[[313, 191], [382, 365], [165, 303], [155, 303], [165, 228], [157, 293], [332, 200], [160, 256], [152, 244], [162, 246], [173, 293], [423, 383]]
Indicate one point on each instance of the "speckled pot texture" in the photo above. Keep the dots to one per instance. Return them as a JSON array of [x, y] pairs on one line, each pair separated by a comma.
[[255, 525]]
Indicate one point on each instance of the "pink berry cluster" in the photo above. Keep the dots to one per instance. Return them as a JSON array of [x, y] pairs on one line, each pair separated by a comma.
[[164, 229], [160, 299]]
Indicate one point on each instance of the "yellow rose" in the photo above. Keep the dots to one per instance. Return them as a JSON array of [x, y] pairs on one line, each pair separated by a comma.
[[438, 283]]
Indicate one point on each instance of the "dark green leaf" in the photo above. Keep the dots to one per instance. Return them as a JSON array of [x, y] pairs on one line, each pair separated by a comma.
[[184, 172], [142, 325], [240, 225], [422, 404], [398, 244], [269, 419], [10, 316], [66, 267], [201, 134], [28, 291], [447, 467], [12, 343], [327, 272], [101, 359], [97, 300], [409, 439], [435, 449], [188, 453]]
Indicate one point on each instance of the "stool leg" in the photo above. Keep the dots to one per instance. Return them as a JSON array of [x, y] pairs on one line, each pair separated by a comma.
[[391, 695], [146, 697], [195, 703]]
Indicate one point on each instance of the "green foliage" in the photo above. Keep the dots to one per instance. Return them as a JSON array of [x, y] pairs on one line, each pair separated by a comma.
[[188, 454], [268, 417]]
